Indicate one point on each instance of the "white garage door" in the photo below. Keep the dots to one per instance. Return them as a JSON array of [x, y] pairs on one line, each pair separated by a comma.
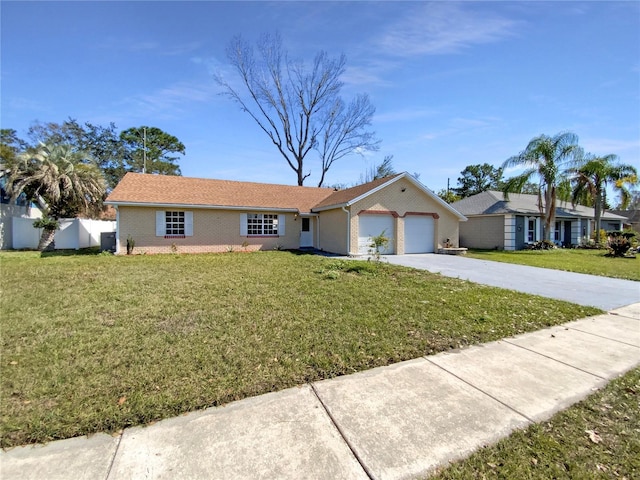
[[418, 234], [371, 226]]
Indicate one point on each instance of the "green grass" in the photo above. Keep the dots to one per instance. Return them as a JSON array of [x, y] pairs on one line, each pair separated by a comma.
[[592, 262], [596, 438], [98, 343]]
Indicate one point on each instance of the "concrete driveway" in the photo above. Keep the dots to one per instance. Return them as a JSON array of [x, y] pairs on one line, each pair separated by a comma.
[[590, 290]]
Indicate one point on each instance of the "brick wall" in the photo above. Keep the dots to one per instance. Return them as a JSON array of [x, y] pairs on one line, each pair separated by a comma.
[[213, 231], [412, 199], [333, 231]]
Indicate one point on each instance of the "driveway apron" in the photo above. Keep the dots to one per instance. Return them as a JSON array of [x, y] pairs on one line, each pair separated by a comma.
[[588, 290]]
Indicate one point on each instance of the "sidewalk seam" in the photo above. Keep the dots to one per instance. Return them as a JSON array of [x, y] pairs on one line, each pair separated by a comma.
[[601, 336], [342, 434], [530, 420], [556, 360], [113, 459]]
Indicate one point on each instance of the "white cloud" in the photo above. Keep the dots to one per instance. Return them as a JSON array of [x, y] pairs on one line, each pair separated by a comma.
[[627, 150], [404, 115], [165, 103], [443, 28]]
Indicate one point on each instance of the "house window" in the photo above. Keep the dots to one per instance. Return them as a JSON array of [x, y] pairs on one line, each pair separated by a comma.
[[174, 223], [262, 224], [531, 230], [556, 232]]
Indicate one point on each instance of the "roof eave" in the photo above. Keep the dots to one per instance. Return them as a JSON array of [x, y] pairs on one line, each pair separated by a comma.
[[329, 207], [118, 203]]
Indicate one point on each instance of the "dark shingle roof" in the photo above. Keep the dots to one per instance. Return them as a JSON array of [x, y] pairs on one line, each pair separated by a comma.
[[493, 203]]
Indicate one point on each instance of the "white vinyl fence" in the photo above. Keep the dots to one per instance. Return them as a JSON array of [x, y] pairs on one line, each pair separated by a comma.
[[74, 233]]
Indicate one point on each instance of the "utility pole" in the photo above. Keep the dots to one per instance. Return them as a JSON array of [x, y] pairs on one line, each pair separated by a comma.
[[144, 149]]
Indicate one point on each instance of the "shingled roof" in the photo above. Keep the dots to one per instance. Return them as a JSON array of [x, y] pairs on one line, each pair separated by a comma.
[[342, 197], [162, 190], [493, 203]]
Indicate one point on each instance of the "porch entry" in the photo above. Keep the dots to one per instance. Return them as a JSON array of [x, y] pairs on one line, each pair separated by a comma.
[[306, 232]]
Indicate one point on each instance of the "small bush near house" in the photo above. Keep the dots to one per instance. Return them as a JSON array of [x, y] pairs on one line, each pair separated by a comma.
[[620, 244], [378, 244], [542, 245]]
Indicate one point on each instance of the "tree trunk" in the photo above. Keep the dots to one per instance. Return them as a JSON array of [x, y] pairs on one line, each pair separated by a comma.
[[598, 215], [550, 212], [47, 242]]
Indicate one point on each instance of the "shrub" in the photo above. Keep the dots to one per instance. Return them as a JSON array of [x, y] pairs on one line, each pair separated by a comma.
[[131, 243], [599, 239], [619, 243], [378, 243], [47, 223], [543, 245]]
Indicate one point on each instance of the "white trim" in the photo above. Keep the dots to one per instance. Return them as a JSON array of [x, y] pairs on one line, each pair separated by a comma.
[[161, 229], [243, 225], [509, 232], [161, 222], [281, 227], [117, 230], [185, 206], [188, 224], [411, 179]]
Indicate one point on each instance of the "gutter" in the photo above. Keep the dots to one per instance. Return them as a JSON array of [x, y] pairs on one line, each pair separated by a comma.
[[117, 203]]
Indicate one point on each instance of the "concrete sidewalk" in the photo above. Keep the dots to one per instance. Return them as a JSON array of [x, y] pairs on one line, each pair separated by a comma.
[[400, 421]]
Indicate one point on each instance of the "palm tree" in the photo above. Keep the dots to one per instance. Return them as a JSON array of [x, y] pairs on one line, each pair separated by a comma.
[[594, 175], [61, 180], [547, 159]]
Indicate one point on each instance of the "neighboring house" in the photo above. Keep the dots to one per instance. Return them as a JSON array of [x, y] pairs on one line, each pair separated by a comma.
[[632, 218], [170, 213], [495, 223]]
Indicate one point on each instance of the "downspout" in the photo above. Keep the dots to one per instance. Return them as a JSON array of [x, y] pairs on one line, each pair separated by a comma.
[[348, 229], [117, 228]]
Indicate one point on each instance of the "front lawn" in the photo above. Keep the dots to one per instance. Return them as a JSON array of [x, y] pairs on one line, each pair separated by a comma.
[[98, 343], [596, 438], [592, 262]]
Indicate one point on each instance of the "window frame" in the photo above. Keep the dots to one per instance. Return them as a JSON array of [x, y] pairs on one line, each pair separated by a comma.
[[174, 223], [262, 224]]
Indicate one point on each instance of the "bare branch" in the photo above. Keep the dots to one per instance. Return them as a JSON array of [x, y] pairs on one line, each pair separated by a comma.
[[299, 108]]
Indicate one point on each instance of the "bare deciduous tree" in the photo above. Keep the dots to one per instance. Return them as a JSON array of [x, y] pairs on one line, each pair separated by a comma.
[[299, 108]]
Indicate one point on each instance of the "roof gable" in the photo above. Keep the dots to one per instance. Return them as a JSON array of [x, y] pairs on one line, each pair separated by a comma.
[[349, 196]]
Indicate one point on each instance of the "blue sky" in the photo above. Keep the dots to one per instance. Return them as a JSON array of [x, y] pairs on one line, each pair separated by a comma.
[[454, 84]]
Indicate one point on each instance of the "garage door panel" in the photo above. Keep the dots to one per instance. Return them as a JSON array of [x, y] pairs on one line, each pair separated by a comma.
[[371, 226], [419, 234]]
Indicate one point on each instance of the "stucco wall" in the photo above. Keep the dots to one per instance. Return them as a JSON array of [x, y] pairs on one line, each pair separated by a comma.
[[213, 231], [333, 231], [412, 199], [483, 232]]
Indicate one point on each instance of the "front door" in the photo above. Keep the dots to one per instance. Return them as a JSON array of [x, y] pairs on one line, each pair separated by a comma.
[[567, 234], [306, 233]]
